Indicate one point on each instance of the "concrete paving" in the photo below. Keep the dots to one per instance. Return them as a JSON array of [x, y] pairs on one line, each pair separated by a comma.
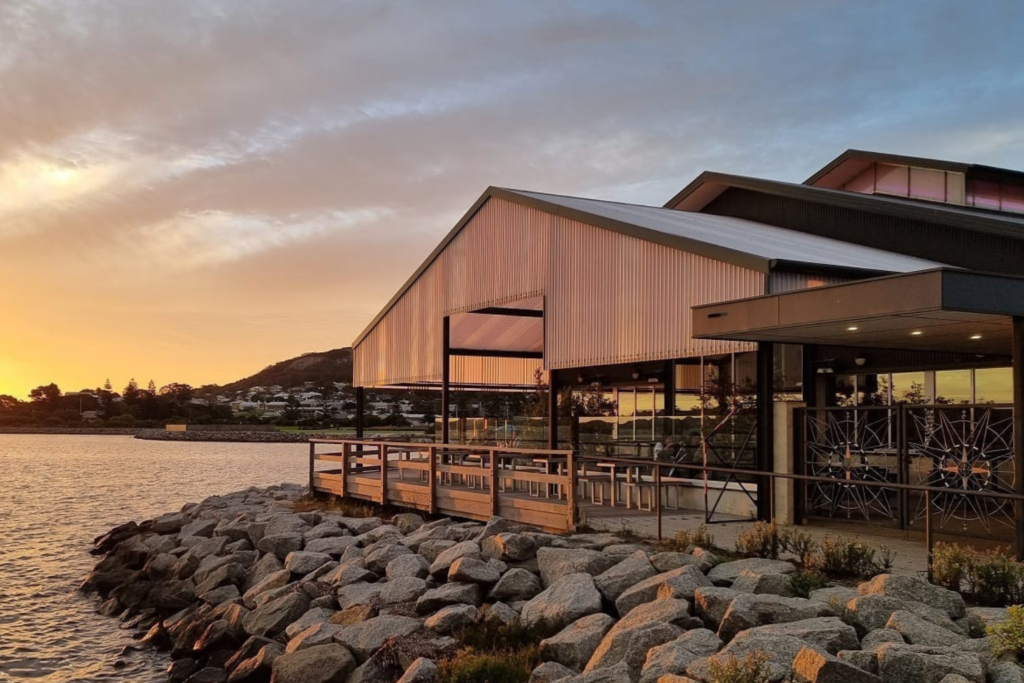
[[910, 553]]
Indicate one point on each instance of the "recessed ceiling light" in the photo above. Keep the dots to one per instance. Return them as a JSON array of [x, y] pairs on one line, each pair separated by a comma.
[[916, 333], [851, 328], [975, 336]]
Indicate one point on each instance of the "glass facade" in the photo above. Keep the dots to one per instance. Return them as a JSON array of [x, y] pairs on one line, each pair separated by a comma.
[[941, 387]]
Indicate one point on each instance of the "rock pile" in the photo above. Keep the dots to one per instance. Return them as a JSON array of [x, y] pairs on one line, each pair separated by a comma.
[[239, 588]]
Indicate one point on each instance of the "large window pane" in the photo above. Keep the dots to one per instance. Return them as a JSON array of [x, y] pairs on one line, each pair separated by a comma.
[[908, 387], [953, 386], [993, 385], [845, 389]]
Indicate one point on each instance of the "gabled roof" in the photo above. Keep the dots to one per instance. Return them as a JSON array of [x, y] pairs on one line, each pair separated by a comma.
[[851, 162], [706, 187], [734, 240], [698, 232]]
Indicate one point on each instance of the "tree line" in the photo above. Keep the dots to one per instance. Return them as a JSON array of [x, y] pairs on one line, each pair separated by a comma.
[[133, 406]]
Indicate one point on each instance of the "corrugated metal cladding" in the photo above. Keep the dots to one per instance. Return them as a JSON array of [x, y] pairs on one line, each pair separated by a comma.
[[610, 298], [782, 281]]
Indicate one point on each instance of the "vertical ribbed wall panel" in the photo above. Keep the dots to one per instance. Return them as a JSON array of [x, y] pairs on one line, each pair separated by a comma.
[[782, 281], [609, 298]]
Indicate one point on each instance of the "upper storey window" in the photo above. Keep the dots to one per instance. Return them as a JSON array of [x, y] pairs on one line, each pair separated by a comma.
[[909, 181], [993, 194]]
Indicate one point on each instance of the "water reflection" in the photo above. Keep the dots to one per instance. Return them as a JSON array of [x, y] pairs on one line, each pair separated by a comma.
[[58, 493]]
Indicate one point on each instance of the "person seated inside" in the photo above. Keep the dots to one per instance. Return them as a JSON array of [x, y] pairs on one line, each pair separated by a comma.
[[666, 450]]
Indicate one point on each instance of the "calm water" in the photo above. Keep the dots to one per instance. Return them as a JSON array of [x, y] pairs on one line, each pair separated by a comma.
[[56, 494]]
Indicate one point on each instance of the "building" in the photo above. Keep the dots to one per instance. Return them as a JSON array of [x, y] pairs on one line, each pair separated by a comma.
[[871, 313]]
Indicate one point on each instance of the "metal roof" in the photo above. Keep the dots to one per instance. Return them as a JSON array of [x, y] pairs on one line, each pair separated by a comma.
[[738, 234], [706, 187], [868, 157]]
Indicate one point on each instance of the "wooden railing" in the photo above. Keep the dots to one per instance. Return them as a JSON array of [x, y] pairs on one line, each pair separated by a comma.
[[531, 486]]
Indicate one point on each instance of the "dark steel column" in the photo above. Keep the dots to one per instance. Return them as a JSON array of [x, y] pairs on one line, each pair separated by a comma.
[[446, 372], [1018, 431], [809, 375], [765, 426], [670, 388], [360, 411], [553, 389]]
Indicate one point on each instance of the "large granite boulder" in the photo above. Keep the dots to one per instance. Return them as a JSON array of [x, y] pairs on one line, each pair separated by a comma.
[[515, 585], [304, 562], [365, 638], [726, 573], [567, 599], [678, 583], [927, 664], [413, 565], [334, 546], [329, 663], [554, 563], [378, 558], [748, 610], [451, 618], [574, 645], [673, 657], [317, 634], [449, 594], [626, 574], [781, 651], [280, 545], [710, 603], [829, 634], [917, 631], [629, 644], [509, 547], [443, 562], [273, 618], [402, 590], [358, 594], [472, 570], [814, 666], [911, 588]]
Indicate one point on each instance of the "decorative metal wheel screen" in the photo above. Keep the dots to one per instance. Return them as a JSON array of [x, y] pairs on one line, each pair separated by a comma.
[[953, 448], [849, 445], [962, 449]]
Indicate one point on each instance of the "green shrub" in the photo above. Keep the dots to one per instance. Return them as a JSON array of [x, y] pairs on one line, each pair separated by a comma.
[[886, 557], [990, 578], [506, 667], [953, 566], [843, 557], [492, 652], [801, 544], [761, 540], [803, 582], [1009, 635], [492, 636], [997, 580], [696, 538], [751, 669]]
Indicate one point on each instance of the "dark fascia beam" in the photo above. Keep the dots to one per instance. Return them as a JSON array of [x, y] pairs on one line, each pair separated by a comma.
[[489, 353], [517, 312]]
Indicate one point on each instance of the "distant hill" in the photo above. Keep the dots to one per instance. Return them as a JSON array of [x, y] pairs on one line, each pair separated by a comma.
[[322, 367]]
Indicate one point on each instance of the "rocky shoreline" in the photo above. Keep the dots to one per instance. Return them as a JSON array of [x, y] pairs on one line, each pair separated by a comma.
[[241, 588]]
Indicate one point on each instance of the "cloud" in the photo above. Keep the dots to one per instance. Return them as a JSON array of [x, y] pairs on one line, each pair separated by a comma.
[[258, 175]]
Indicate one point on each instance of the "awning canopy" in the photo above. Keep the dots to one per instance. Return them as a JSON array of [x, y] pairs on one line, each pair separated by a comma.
[[935, 310]]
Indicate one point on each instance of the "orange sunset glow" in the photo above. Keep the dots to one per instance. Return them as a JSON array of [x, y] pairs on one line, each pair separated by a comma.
[[209, 191]]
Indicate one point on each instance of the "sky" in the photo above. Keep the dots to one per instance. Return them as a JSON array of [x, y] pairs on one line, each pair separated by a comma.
[[190, 191]]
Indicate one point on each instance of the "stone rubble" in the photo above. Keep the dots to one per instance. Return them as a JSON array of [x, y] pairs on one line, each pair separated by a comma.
[[241, 589]]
